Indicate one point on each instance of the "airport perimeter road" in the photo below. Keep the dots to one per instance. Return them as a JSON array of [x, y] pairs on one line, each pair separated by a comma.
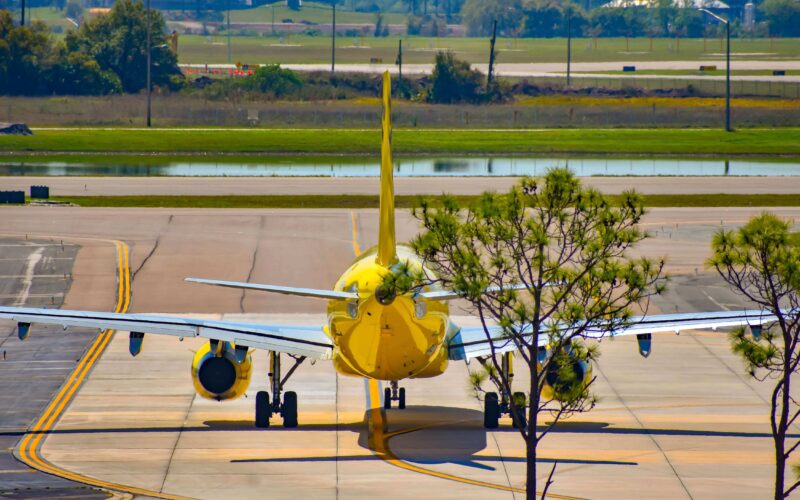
[[35, 273], [548, 69], [216, 186], [685, 423]]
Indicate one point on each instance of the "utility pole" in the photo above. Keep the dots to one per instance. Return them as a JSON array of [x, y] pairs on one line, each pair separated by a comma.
[[399, 61], [727, 23], [333, 40], [491, 54], [569, 44], [22, 17], [228, 30], [149, 64]]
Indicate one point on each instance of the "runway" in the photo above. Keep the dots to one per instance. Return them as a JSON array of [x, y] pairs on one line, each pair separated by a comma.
[[685, 423]]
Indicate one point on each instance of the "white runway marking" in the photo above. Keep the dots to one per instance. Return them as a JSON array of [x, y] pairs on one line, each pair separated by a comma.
[[27, 281]]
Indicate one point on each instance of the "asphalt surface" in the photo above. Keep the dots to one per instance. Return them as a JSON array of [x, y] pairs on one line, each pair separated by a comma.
[[34, 273], [217, 186]]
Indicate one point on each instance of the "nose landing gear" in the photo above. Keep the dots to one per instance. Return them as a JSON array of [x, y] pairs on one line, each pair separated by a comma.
[[393, 393], [265, 407]]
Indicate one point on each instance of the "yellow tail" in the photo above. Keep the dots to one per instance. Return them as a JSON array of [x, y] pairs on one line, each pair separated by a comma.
[[386, 238]]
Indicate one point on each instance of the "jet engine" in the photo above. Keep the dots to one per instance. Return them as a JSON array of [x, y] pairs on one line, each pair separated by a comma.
[[566, 378], [222, 370]]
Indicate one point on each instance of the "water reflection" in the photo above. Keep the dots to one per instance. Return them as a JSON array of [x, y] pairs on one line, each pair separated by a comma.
[[409, 167]]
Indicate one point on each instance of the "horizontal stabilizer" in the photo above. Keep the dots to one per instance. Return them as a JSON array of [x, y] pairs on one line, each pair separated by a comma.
[[286, 290], [450, 295]]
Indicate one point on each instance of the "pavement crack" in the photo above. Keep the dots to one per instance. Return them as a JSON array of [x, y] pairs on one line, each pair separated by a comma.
[[645, 429], [177, 440], [262, 223], [152, 250]]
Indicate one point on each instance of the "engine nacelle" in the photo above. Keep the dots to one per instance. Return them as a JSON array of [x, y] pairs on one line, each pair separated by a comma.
[[554, 388], [218, 374]]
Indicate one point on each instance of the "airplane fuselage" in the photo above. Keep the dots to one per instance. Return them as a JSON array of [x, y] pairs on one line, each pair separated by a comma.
[[397, 339]]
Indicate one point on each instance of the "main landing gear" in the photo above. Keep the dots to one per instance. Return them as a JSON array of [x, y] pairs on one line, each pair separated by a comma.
[[393, 393], [495, 406], [265, 407]]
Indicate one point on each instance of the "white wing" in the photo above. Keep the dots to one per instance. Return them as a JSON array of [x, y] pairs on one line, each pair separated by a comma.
[[471, 342], [301, 341]]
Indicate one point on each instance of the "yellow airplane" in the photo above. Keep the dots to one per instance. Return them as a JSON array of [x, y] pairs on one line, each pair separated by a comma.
[[369, 333]]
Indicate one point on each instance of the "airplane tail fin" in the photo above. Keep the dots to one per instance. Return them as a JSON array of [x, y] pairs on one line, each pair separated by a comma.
[[386, 233]]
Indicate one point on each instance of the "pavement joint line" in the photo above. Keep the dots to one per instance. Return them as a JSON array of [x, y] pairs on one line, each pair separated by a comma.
[[30, 446], [377, 425], [647, 432]]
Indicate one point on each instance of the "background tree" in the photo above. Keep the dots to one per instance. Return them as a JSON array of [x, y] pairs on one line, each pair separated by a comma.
[[24, 52], [118, 40], [454, 80], [761, 261], [783, 17], [568, 246], [478, 16]]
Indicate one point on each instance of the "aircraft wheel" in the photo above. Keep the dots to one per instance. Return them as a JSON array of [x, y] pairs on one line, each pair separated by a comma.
[[387, 398], [491, 411], [290, 409], [263, 410], [402, 402]]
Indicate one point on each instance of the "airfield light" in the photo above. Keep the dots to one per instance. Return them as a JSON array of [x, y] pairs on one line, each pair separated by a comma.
[[727, 67]]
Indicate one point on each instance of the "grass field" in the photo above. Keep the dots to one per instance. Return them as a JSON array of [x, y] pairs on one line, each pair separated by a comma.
[[403, 202], [299, 49], [758, 142]]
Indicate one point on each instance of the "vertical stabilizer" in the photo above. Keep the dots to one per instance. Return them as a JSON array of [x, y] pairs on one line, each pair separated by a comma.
[[386, 236]]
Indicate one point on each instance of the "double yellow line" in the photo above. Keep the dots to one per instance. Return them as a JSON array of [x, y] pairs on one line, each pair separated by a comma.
[[28, 450]]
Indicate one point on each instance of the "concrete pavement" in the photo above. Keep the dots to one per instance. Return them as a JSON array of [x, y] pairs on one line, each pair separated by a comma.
[[218, 186], [685, 423]]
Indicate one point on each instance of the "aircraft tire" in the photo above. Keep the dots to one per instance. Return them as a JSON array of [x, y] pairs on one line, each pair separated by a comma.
[[491, 411], [387, 398], [401, 403], [263, 410], [290, 410]]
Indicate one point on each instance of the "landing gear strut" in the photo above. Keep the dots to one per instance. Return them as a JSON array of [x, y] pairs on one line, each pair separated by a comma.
[[494, 407], [288, 409], [394, 393]]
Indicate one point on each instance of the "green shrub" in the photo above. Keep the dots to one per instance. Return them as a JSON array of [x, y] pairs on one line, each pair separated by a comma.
[[274, 80], [453, 81]]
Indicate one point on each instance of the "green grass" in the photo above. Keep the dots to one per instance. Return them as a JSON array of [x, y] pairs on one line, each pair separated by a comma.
[[296, 49], [311, 12], [714, 142], [402, 202]]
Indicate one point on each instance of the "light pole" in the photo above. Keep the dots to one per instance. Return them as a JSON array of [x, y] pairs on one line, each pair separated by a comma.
[[727, 67], [149, 63], [22, 17]]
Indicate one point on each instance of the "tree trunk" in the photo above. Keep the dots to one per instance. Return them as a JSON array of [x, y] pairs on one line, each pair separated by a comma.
[[780, 467], [533, 439]]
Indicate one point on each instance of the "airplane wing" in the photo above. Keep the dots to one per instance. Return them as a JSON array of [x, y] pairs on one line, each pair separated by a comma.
[[286, 290], [310, 341], [471, 341]]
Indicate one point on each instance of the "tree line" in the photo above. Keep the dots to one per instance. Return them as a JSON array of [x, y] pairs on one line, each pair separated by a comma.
[[106, 55], [549, 18]]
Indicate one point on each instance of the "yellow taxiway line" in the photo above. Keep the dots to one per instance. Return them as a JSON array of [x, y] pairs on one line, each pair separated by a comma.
[[379, 437], [29, 447]]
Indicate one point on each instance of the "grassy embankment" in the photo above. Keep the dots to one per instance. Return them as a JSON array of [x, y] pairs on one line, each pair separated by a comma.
[[404, 202], [745, 142]]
